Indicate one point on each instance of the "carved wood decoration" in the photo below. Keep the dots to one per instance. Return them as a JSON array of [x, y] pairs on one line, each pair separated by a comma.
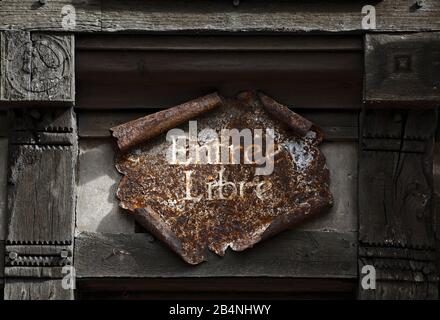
[[41, 203], [37, 67], [402, 68], [223, 201], [396, 222]]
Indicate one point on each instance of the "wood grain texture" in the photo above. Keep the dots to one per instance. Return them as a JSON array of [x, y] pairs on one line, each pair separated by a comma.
[[37, 67], [290, 254], [32, 289], [41, 202], [403, 68], [153, 78], [219, 16], [31, 15], [396, 233], [41, 196], [218, 42], [337, 125], [3, 185], [400, 182]]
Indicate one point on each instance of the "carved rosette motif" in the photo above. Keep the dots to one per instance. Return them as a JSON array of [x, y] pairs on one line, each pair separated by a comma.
[[37, 67]]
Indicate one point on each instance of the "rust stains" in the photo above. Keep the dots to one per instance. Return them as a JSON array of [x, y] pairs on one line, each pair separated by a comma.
[[137, 131], [193, 207]]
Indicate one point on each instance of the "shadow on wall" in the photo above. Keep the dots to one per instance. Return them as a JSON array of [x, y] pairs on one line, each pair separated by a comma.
[[3, 185], [97, 205]]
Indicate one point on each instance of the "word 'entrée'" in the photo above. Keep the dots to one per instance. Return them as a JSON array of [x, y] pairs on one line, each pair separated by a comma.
[[206, 147]]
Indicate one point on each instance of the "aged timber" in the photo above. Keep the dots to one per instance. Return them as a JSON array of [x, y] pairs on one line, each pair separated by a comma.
[[296, 254], [37, 74], [218, 16], [403, 69], [41, 203], [36, 67], [184, 205], [396, 218]]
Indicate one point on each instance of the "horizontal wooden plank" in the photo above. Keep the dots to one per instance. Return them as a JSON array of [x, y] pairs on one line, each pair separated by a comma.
[[179, 68], [337, 125], [204, 42], [218, 16], [243, 286], [98, 209], [33, 15], [290, 254]]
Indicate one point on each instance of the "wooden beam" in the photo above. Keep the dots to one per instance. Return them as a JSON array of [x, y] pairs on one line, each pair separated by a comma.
[[293, 253], [217, 16], [396, 220], [302, 72], [36, 68], [336, 125], [226, 288]]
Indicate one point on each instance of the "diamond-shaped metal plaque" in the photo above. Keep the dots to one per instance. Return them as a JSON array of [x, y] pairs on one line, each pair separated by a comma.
[[194, 204]]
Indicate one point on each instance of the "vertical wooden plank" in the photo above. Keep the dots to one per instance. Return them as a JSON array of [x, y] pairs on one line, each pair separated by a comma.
[[37, 71], [3, 174], [41, 202], [396, 234]]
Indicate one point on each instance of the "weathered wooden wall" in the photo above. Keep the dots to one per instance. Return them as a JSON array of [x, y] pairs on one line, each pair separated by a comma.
[[322, 248], [37, 71], [175, 68], [3, 174], [313, 65], [219, 16]]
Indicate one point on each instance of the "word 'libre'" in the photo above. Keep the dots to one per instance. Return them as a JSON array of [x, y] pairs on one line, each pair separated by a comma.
[[221, 189]]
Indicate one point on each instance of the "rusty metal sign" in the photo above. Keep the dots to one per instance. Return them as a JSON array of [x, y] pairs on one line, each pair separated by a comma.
[[219, 173]]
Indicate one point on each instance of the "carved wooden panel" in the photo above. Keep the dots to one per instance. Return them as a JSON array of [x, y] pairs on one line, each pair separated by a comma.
[[396, 220], [37, 67], [402, 67], [41, 202]]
